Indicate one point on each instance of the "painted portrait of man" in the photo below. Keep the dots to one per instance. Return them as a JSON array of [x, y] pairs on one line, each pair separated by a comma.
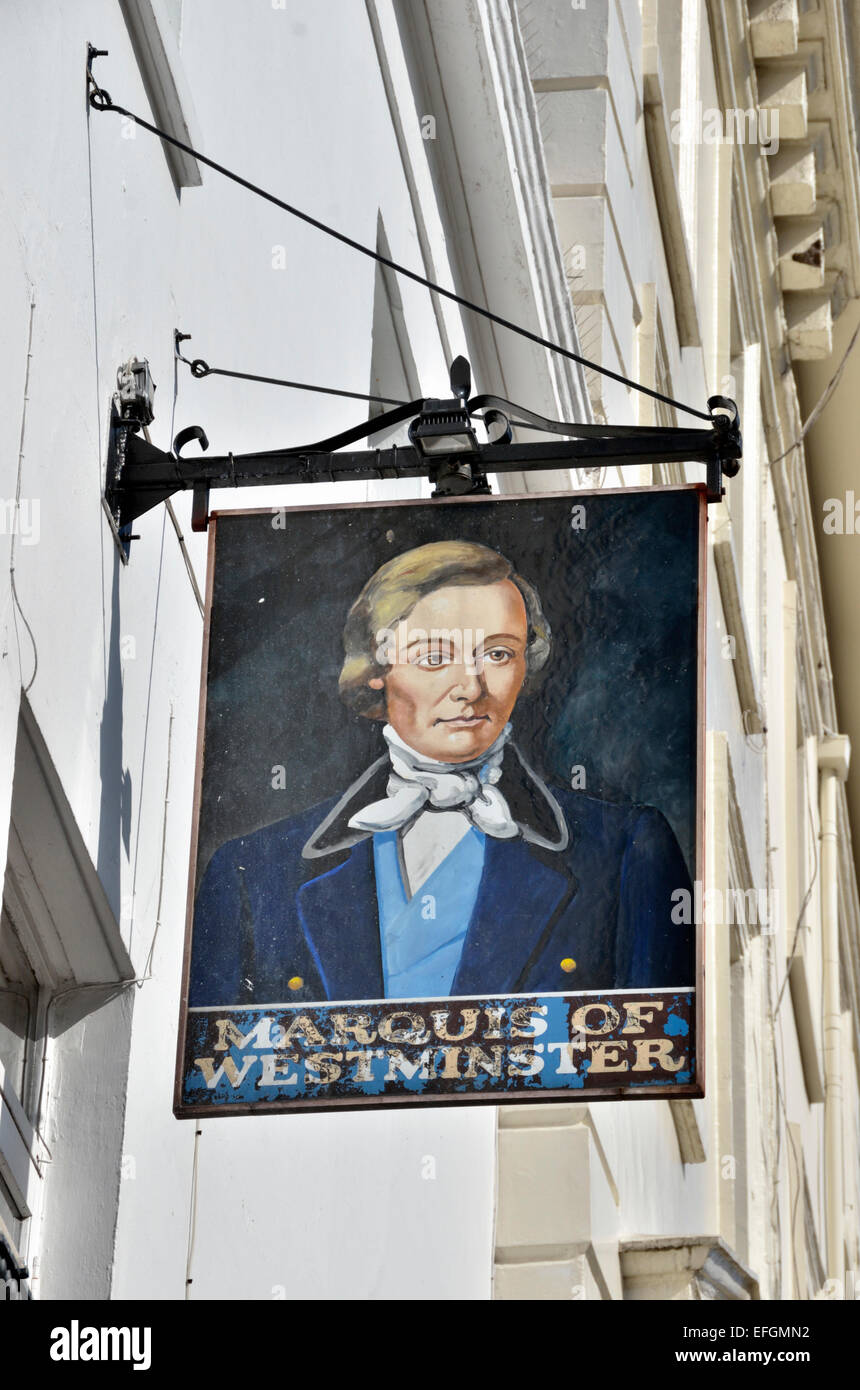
[[449, 866]]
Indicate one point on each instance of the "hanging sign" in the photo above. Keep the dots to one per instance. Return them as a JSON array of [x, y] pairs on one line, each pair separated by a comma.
[[448, 814]]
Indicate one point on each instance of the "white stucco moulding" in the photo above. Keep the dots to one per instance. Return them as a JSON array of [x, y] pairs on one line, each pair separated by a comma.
[[157, 55]]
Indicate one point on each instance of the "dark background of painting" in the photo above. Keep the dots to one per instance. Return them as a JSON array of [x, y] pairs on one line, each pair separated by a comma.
[[619, 692]]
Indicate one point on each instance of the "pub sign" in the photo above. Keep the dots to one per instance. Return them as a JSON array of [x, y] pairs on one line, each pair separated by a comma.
[[448, 805]]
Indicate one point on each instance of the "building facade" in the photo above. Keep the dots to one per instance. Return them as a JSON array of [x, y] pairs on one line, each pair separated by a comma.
[[668, 188]]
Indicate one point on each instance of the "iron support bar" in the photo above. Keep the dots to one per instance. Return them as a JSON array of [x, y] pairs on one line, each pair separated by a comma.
[[143, 476], [443, 447]]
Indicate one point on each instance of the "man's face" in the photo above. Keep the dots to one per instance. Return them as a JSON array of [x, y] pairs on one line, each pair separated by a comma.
[[459, 665]]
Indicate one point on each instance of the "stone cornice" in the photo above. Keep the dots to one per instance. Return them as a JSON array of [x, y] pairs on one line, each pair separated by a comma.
[[694, 1267]]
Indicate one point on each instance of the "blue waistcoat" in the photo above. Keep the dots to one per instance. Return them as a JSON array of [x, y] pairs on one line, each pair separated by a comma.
[[422, 936]]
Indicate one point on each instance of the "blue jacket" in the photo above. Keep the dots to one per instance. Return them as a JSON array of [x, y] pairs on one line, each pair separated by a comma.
[[288, 913]]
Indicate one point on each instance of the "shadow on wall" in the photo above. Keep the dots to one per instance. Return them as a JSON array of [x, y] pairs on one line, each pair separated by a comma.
[[116, 785]]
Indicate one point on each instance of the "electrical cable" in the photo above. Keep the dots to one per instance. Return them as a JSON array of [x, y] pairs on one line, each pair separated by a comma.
[[147, 714], [101, 100], [183, 550], [822, 400], [147, 968], [798, 1170], [16, 523], [799, 925], [795, 483], [192, 1214], [97, 383]]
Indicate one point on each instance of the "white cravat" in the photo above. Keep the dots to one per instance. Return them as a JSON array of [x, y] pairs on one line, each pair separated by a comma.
[[417, 783]]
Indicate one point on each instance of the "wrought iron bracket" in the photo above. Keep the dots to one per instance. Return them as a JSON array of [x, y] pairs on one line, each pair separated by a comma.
[[139, 475]]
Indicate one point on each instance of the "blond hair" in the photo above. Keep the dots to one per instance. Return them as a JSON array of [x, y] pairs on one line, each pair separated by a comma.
[[397, 586]]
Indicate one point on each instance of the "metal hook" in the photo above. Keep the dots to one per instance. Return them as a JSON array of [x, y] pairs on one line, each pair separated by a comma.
[[98, 97], [177, 339], [185, 436]]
